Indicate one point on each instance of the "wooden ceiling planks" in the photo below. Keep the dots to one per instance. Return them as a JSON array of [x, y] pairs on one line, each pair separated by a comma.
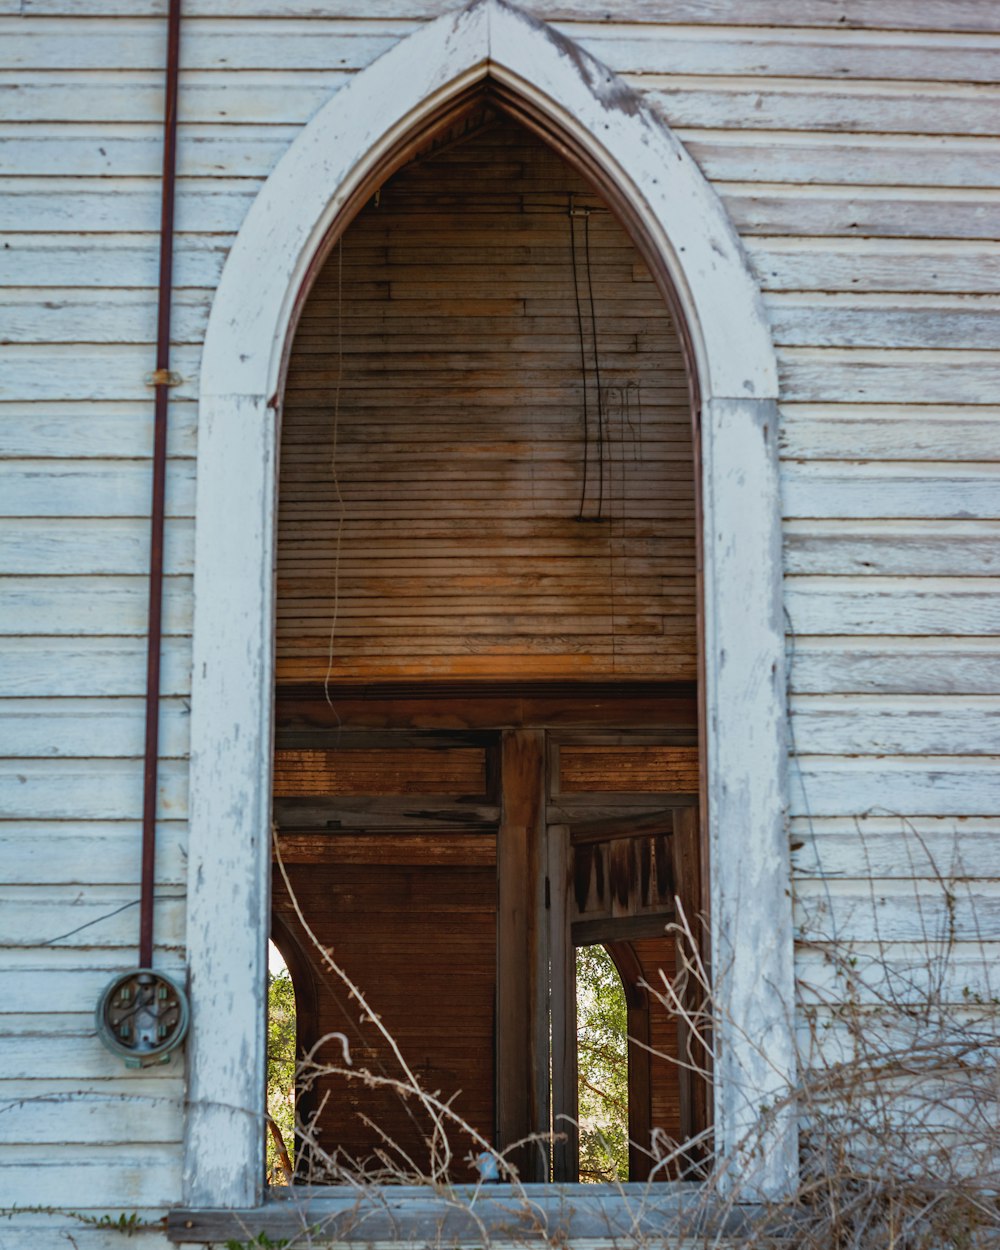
[[446, 511]]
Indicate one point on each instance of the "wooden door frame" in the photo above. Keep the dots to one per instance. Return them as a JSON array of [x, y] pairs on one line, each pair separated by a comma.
[[679, 225]]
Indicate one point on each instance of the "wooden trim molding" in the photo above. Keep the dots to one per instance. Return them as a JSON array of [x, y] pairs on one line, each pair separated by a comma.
[[681, 228]]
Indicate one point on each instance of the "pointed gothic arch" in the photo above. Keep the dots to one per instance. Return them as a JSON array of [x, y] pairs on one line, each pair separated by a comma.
[[679, 224]]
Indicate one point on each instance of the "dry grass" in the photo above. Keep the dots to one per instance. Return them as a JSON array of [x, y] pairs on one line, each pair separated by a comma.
[[896, 1096]]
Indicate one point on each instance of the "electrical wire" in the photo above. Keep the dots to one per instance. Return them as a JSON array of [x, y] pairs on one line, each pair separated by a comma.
[[601, 424], [583, 360], [336, 476]]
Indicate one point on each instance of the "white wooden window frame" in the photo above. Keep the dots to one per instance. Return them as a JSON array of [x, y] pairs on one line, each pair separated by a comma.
[[232, 687]]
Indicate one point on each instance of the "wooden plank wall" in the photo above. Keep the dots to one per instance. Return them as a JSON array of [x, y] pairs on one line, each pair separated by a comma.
[[431, 933], [457, 496], [857, 148]]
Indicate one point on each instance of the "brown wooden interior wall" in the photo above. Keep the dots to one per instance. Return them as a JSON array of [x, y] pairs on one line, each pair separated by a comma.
[[390, 837], [420, 941], [452, 503]]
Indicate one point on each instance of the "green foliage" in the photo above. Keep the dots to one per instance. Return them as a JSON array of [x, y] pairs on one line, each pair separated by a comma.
[[602, 1050], [280, 1069], [126, 1223], [260, 1242]]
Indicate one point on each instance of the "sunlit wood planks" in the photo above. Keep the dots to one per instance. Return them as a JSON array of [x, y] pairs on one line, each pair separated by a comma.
[[467, 489]]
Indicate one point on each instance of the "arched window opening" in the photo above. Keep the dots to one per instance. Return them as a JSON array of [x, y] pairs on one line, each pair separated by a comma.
[[602, 1068], [351, 147], [281, 1069], [636, 1073], [486, 649]]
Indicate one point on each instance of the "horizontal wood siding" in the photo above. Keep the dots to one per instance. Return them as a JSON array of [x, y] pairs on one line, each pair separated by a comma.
[[855, 148], [486, 460]]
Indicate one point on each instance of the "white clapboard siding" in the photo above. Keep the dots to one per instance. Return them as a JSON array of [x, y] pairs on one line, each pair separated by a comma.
[[775, 52], [135, 151], [251, 151], [118, 261], [946, 847], [877, 725], [945, 15], [218, 205], [918, 265], [931, 785], [117, 372], [88, 852], [40, 545], [68, 606], [895, 911], [129, 43], [90, 1112], [932, 1091], [41, 1055], [874, 376], [121, 1177], [87, 667], [34, 916], [900, 972], [893, 605], [74, 316], [94, 789], [893, 548], [272, 97], [872, 107], [320, 43], [894, 665], [78, 1052], [82, 430], [91, 488], [651, 49], [863, 320], [88, 728], [840, 431], [63, 981], [267, 96], [878, 160], [769, 208], [84, 205], [45, 1234], [857, 148], [830, 488]]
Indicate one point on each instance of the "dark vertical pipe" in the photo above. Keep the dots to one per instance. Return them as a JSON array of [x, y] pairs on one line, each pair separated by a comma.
[[161, 380]]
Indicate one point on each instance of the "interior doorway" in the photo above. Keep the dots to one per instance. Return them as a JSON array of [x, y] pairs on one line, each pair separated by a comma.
[[487, 729]]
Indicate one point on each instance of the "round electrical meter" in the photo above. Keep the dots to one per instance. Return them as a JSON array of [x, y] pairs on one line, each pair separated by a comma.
[[143, 1017]]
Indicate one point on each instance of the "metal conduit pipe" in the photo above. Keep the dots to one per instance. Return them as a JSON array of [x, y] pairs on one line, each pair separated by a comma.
[[142, 1016], [161, 381]]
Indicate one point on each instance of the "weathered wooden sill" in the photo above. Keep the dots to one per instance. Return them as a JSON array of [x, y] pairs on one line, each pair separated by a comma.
[[469, 1215]]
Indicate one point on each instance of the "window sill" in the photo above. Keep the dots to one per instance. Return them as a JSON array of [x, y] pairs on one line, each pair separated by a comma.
[[469, 1215]]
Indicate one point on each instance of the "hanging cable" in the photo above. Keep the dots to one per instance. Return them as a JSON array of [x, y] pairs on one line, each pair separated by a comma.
[[572, 214], [602, 433], [338, 494], [601, 430]]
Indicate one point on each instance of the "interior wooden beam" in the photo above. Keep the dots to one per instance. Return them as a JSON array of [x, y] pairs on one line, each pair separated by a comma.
[[486, 705], [522, 1044], [429, 811], [562, 973]]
